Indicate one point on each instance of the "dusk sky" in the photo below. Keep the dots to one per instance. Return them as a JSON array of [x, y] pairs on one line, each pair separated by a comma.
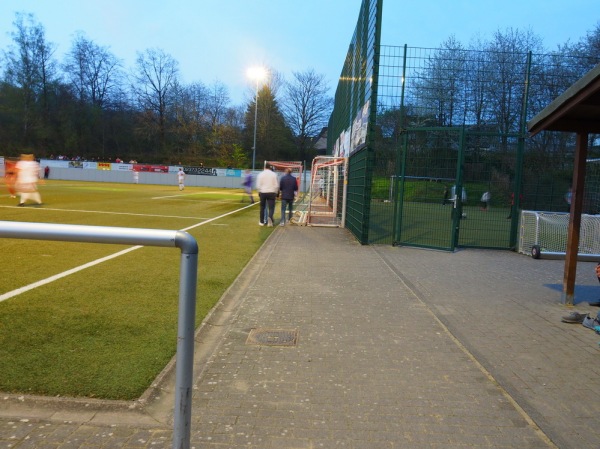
[[220, 39]]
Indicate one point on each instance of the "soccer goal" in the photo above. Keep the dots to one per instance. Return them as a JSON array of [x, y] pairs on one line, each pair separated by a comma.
[[544, 235], [297, 168], [324, 203]]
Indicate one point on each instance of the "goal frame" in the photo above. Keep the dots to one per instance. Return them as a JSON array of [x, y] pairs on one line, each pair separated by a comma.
[[327, 192], [541, 238]]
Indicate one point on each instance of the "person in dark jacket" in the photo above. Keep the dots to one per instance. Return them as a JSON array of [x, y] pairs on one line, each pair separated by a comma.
[[288, 188]]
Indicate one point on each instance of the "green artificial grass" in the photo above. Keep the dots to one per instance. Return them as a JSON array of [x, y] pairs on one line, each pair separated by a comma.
[[108, 330]]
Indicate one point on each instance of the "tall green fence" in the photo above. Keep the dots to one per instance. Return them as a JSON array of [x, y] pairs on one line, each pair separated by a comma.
[[352, 122], [419, 124], [456, 118]]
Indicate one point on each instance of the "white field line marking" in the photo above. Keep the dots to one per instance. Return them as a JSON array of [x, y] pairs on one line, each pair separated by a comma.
[[190, 200], [64, 274], [216, 218], [196, 194], [26, 288], [106, 212], [174, 196]]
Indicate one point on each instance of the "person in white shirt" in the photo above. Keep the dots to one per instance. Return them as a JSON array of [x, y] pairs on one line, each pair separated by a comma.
[[28, 175], [181, 178], [267, 185]]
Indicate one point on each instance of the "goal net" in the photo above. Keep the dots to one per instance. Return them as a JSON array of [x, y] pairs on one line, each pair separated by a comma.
[[544, 235], [324, 203], [279, 168], [591, 196]]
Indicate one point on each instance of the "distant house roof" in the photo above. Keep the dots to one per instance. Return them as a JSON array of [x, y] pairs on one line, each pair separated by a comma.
[[320, 142], [576, 110]]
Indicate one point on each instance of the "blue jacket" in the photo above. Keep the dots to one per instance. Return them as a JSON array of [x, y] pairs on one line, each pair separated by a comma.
[[288, 186]]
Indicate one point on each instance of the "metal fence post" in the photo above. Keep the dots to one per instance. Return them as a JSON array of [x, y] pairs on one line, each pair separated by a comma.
[[185, 340], [187, 293]]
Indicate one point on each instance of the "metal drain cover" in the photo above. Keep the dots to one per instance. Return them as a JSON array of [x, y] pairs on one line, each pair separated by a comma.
[[273, 337]]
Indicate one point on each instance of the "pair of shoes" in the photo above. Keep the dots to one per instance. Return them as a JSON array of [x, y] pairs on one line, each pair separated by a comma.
[[260, 223], [574, 317], [270, 223], [590, 322]]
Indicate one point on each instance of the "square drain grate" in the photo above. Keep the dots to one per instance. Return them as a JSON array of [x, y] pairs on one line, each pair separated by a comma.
[[272, 337]]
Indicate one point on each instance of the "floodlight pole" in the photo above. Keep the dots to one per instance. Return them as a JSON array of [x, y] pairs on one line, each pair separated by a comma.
[[255, 122]]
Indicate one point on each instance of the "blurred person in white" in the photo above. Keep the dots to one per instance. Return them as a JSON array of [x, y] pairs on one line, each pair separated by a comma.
[[181, 178], [28, 176]]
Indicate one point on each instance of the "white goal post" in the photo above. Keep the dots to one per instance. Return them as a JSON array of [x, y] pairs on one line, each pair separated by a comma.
[[544, 235], [326, 199]]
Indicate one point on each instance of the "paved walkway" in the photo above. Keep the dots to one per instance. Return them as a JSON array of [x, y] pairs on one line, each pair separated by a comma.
[[324, 343]]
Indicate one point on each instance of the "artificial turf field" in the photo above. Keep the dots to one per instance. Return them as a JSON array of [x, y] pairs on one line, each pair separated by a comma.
[[107, 331]]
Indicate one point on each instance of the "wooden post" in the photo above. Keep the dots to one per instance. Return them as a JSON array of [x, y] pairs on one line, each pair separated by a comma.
[[575, 219]]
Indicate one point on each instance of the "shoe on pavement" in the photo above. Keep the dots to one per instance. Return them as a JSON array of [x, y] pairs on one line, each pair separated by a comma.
[[574, 317], [590, 322], [282, 223], [270, 223]]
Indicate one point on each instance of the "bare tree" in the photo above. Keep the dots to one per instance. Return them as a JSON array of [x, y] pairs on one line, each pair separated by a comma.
[[506, 68], [217, 109], [589, 46], [306, 108], [217, 103], [442, 88], [92, 70], [191, 121], [30, 68], [155, 81]]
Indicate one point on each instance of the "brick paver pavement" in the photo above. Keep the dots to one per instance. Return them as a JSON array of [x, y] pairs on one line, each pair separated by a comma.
[[396, 348]]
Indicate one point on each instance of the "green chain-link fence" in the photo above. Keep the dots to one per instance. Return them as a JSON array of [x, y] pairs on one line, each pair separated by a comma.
[[432, 132]]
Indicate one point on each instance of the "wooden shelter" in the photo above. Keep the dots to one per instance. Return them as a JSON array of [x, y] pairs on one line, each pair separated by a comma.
[[576, 110]]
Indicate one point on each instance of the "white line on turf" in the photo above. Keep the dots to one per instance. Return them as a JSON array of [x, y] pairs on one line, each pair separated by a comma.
[[216, 192], [26, 288], [107, 212], [173, 196]]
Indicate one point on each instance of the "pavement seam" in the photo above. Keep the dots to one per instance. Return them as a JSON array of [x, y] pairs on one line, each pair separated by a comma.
[[419, 296]]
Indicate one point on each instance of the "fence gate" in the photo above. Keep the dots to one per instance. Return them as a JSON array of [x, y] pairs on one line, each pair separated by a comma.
[[428, 189], [442, 176]]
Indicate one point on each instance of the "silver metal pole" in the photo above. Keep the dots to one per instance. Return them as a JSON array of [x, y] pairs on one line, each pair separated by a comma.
[[255, 122], [187, 293], [184, 368], [87, 234]]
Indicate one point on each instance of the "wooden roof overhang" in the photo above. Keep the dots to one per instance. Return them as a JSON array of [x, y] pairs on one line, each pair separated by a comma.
[[576, 110]]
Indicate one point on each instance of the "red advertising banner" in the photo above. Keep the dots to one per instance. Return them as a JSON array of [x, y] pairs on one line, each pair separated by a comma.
[[151, 168]]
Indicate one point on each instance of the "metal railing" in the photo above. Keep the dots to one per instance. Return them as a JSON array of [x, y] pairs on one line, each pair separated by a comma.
[[188, 279]]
